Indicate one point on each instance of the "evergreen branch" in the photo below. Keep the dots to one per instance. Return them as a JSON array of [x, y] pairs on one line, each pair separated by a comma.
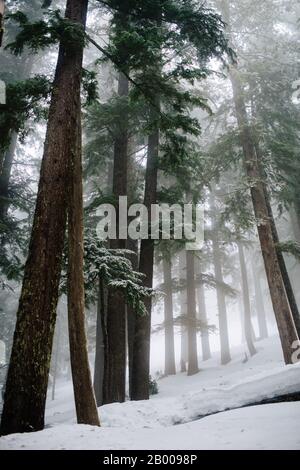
[[291, 247], [125, 73]]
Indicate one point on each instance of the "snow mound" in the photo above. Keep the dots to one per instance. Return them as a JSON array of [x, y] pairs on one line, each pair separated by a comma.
[[265, 427], [161, 412]]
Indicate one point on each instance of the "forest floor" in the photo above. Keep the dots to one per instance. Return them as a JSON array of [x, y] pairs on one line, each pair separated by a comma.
[[188, 412]]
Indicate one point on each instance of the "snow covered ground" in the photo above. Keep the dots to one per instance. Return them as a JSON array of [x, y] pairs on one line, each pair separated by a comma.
[[171, 419]]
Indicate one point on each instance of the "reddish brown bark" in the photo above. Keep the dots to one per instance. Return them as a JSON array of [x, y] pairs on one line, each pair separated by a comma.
[[27, 379]]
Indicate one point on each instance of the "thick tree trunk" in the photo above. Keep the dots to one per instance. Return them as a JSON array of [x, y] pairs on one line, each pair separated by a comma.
[[259, 303], [85, 403], [282, 265], [281, 261], [141, 356], [285, 322], [99, 356], [115, 366], [170, 368], [27, 379], [101, 331], [191, 314], [133, 246], [286, 326], [221, 300], [56, 356], [246, 301]]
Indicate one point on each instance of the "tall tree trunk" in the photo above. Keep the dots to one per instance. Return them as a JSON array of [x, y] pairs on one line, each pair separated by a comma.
[[191, 314], [286, 326], [5, 176], [246, 301], [27, 379], [281, 261], [285, 322], [205, 345], [183, 313], [85, 403], [115, 366], [2, 9], [221, 300], [101, 331], [259, 303], [133, 246], [202, 315], [56, 356], [99, 355], [141, 356], [170, 368], [8, 151], [183, 343], [282, 265]]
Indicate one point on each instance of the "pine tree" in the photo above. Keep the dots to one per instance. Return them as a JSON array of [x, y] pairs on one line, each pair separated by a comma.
[[286, 326], [26, 387], [170, 368], [222, 310], [115, 367], [191, 314], [202, 315], [246, 300], [85, 403]]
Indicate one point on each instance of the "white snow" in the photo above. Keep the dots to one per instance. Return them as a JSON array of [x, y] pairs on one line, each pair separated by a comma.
[[267, 427], [170, 420]]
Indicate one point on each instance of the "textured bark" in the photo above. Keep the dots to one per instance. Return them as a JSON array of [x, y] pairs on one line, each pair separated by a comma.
[[246, 301], [86, 409], [221, 300], [56, 356], [259, 303], [285, 322], [191, 314], [133, 246], [101, 332], [115, 365], [281, 261], [170, 368], [281, 307], [99, 356], [27, 379], [282, 266], [141, 356]]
